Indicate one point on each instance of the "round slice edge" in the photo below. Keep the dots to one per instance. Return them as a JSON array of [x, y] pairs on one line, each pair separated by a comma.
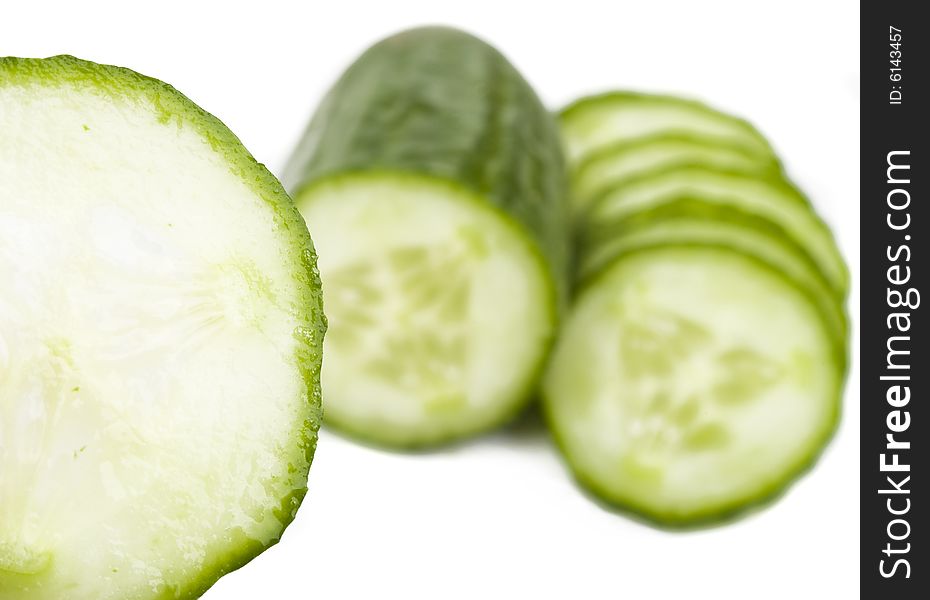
[[596, 122], [691, 383]]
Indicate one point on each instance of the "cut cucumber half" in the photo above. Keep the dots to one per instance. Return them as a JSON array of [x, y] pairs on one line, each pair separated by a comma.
[[773, 199], [689, 383], [688, 222], [596, 122], [160, 340], [615, 165], [434, 181], [441, 310]]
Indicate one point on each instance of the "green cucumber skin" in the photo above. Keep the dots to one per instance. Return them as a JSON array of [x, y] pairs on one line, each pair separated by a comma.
[[439, 102], [723, 514]]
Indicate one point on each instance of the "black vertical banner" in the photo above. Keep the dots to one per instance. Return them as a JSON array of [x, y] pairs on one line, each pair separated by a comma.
[[895, 373]]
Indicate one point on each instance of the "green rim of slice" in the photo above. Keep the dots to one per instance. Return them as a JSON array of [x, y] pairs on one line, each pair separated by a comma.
[[616, 164], [693, 222], [774, 199], [593, 123]]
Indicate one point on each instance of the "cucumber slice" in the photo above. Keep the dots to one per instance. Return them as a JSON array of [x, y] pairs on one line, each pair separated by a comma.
[[773, 199], [615, 165], [441, 309], [434, 181], [160, 334], [688, 222], [689, 383], [596, 122]]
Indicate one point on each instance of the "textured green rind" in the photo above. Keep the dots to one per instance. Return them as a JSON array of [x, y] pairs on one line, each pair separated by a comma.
[[722, 513], [753, 142], [722, 222], [830, 261], [439, 102], [175, 109]]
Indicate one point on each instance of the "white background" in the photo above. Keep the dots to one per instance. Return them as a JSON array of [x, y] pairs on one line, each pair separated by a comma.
[[500, 518]]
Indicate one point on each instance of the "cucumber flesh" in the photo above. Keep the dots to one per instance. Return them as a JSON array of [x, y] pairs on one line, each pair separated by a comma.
[[160, 330], [596, 122], [771, 199], [616, 165], [429, 291], [690, 382], [687, 222]]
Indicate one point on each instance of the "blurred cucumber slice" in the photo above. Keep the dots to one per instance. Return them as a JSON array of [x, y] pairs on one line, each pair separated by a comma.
[[441, 309], [690, 383]]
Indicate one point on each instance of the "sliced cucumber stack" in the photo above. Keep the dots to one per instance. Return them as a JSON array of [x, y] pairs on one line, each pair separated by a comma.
[[613, 166], [772, 199], [685, 221], [597, 122], [433, 181], [160, 340], [700, 367]]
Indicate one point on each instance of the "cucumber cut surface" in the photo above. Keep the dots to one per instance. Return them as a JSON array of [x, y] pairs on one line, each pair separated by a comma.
[[615, 165], [430, 291], [160, 340], [773, 199], [689, 383], [596, 122]]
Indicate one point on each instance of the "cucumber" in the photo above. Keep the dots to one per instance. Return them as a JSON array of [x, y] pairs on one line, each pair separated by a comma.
[[160, 337], [690, 383], [689, 222], [435, 186], [773, 199], [596, 122], [615, 165]]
